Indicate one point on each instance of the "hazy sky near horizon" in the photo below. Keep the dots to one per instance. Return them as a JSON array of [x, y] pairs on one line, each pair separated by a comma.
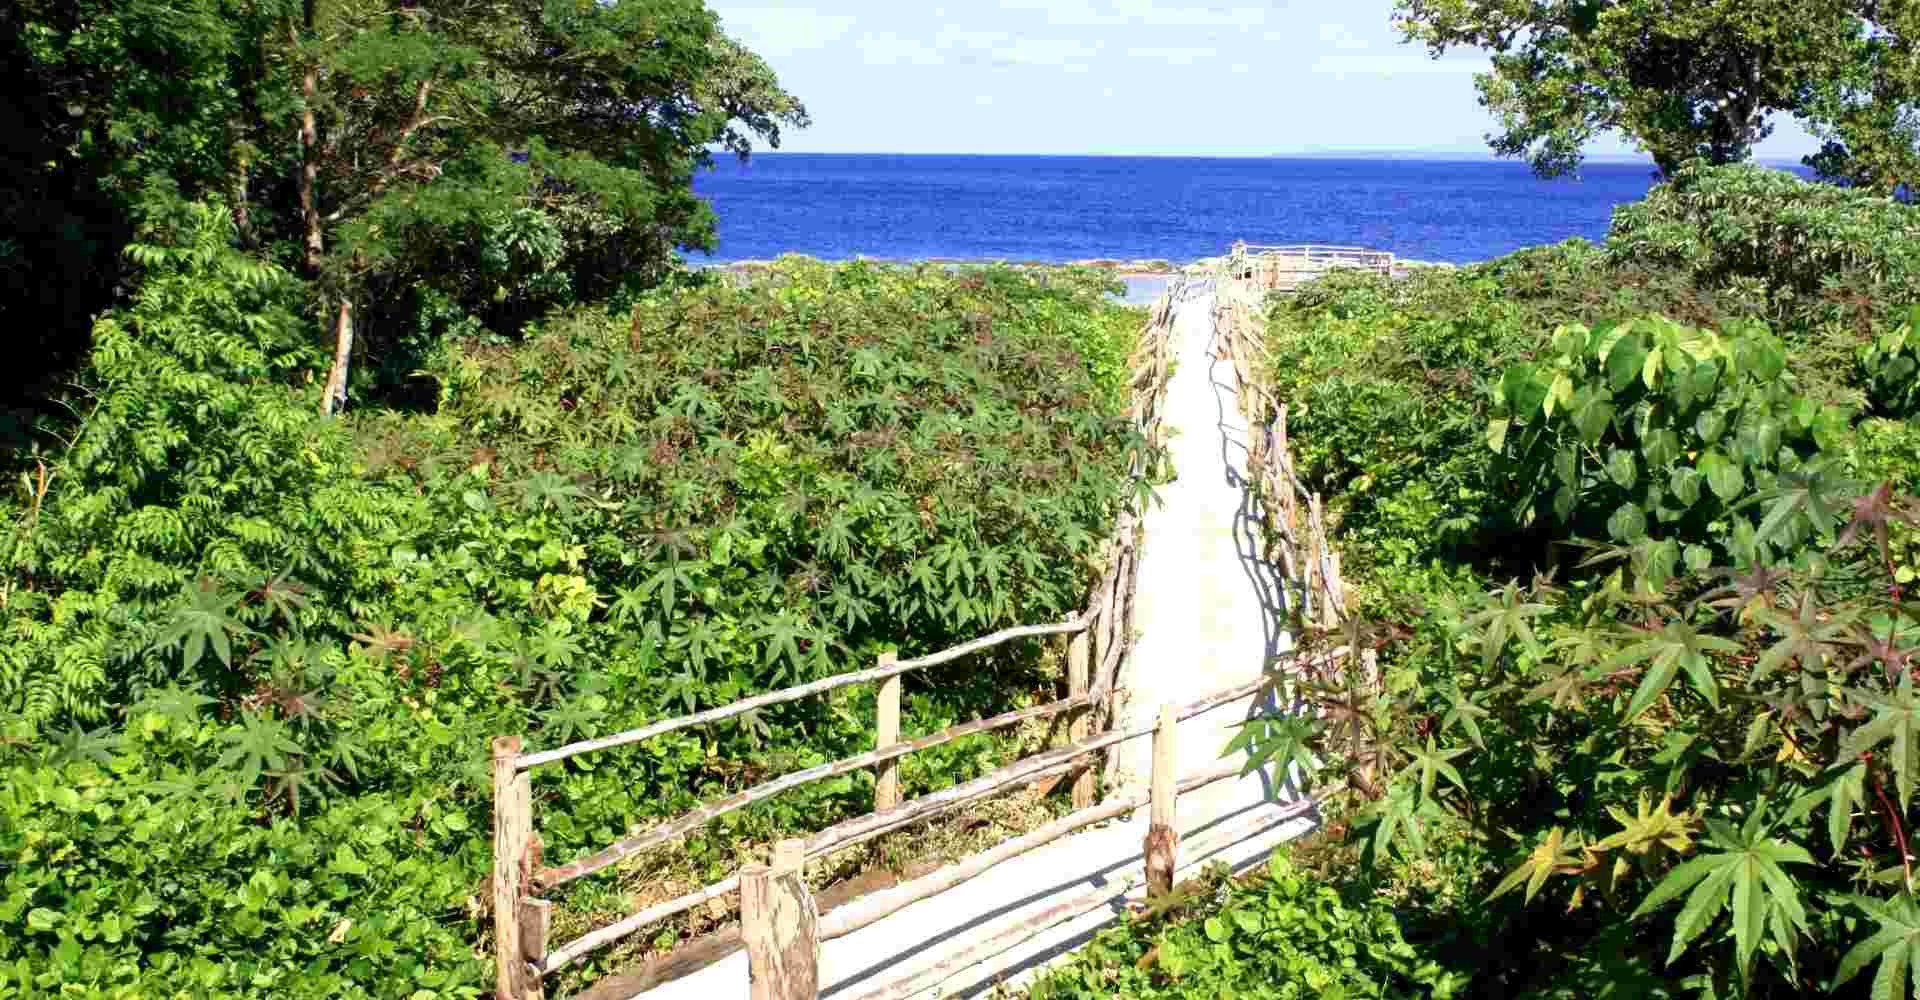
[[1121, 77]]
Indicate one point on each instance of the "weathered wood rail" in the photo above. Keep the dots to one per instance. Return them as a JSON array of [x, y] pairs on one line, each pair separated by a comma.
[[1282, 268], [1293, 518], [1292, 514], [781, 927]]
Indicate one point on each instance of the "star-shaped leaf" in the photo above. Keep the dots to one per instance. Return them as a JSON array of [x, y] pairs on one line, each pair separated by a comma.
[[1895, 942], [204, 622], [1666, 652], [1555, 853], [1505, 618], [1896, 723], [1874, 513], [1807, 636], [1744, 878]]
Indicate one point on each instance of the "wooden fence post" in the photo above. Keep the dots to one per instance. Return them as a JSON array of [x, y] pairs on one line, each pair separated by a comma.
[[512, 838], [1078, 654], [536, 924], [1162, 839], [780, 927], [886, 775], [1336, 586]]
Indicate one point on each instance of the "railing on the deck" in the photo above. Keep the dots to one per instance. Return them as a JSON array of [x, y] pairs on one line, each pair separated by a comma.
[[778, 917], [1283, 266]]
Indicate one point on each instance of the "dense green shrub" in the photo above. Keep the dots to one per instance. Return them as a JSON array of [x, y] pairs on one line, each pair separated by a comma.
[[1651, 429], [1833, 261], [1678, 762], [255, 656], [1280, 934], [1890, 369], [1388, 384]]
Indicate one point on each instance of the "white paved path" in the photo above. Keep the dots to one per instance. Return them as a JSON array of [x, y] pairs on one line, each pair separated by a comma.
[[1207, 618]]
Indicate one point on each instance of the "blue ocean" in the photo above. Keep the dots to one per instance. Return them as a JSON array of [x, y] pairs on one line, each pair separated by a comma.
[[1060, 208]]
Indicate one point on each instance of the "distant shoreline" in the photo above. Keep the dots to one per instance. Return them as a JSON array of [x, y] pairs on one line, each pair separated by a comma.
[[1786, 162], [1138, 268], [1119, 268]]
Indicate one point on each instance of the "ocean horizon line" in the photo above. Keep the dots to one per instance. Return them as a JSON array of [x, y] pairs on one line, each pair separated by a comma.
[[1362, 154]]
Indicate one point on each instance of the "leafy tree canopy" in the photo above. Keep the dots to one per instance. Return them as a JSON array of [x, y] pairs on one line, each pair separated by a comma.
[[431, 162], [1691, 79]]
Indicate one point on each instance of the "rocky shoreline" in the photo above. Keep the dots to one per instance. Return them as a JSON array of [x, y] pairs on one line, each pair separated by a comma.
[[1141, 268], [1119, 268]]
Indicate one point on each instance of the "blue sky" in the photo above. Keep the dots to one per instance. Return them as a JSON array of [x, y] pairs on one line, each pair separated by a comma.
[[1122, 77]]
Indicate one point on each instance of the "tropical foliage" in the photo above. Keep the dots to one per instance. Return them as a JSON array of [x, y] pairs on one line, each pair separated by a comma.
[[1643, 722], [254, 655], [427, 164], [1277, 935]]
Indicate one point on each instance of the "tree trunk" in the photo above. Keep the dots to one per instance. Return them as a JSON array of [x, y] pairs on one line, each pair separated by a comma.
[[242, 218], [310, 171], [309, 149], [342, 354]]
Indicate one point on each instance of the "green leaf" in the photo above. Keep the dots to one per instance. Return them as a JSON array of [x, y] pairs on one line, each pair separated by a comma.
[[1559, 394], [1507, 616], [1628, 523], [204, 622], [1524, 391], [1701, 380], [1896, 723], [1566, 465], [1726, 479], [1434, 763], [1675, 647], [1497, 434], [1685, 484], [1620, 468], [1832, 428], [1626, 361], [1592, 410], [1710, 425], [346, 862], [1569, 339], [1743, 879], [1462, 710], [1661, 448], [1895, 942], [1679, 880], [1766, 441]]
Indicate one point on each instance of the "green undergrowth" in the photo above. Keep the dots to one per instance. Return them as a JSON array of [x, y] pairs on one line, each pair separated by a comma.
[[1277, 933], [254, 657], [1632, 529]]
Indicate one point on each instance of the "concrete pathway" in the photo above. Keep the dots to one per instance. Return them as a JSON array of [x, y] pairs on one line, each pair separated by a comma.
[[1208, 617], [1207, 611]]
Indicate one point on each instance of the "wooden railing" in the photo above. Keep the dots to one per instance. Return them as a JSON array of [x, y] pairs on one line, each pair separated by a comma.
[[1283, 267], [1293, 518], [783, 930], [1292, 514], [772, 897]]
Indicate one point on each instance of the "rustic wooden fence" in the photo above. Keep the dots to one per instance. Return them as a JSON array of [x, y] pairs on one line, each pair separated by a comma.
[[1268, 268], [1292, 514], [781, 927], [1293, 518]]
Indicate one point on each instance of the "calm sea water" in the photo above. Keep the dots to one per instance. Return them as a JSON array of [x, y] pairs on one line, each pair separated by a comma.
[[1073, 208]]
